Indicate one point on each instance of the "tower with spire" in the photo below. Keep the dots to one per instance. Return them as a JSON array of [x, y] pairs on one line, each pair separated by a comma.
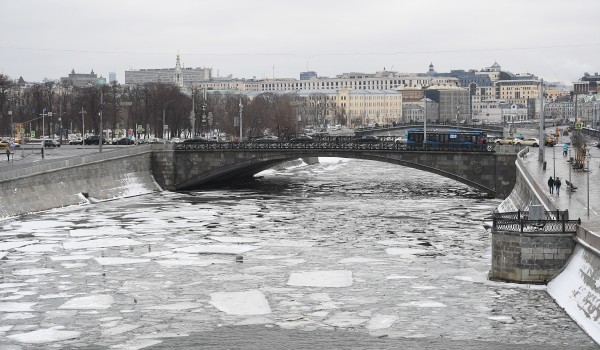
[[178, 76]]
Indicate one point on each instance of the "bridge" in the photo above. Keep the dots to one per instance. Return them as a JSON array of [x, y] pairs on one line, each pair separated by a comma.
[[186, 166]]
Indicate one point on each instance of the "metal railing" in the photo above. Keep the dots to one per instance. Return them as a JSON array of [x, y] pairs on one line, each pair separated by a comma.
[[334, 143], [520, 221]]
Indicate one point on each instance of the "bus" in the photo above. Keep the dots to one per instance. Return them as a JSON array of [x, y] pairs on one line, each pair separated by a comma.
[[450, 139]]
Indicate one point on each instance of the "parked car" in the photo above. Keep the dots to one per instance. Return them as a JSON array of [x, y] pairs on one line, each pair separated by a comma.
[[199, 140], [401, 140], [527, 142], [124, 141], [7, 144], [267, 139], [93, 140], [367, 139], [302, 139], [50, 143], [77, 141], [504, 141]]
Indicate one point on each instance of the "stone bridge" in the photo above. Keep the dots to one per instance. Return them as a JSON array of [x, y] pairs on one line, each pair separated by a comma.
[[177, 168]]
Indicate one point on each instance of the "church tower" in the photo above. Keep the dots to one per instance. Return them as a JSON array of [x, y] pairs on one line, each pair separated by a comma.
[[178, 76]]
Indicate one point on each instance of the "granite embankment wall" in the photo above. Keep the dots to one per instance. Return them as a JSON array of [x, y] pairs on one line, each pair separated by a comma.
[[575, 287], [78, 180]]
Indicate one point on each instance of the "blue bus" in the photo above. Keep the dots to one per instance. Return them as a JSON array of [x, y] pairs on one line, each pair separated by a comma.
[[450, 139]]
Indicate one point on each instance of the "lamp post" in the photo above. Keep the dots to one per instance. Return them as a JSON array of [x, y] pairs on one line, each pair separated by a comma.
[[241, 109], [163, 120], [82, 124], [425, 100]]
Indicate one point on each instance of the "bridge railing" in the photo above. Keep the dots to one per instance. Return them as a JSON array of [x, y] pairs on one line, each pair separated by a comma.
[[520, 221], [331, 143]]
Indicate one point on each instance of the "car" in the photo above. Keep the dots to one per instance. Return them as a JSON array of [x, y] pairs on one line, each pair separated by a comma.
[[93, 140], [302, 139], [175, 140], [124, 141], [50, 143], [267, 139], [6, 144], [77, 141], [504, 141], [367, 139], [527, 142], [401, 140], [198, 140]]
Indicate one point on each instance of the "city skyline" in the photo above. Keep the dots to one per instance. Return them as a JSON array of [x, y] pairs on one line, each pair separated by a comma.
[[267, 39]]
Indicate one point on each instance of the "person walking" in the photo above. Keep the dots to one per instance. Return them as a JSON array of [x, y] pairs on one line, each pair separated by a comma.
[[8, 153], [551, 184], [565, 150], [557, 184]]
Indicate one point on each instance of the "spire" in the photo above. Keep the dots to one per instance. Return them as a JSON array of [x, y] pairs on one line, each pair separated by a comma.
[[178, 76]]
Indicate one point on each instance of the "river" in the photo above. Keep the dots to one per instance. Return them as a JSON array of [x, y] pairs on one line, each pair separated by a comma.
[[344, 254]]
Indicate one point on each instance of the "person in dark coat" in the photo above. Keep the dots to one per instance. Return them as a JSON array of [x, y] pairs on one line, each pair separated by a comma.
[[551, 184], [557, 184]]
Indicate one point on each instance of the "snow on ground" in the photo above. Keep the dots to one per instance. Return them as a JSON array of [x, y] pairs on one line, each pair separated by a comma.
[[251, 302], [334, 278]]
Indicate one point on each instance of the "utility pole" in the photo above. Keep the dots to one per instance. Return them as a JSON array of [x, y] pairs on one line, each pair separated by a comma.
[[82, 124], [241, 109]]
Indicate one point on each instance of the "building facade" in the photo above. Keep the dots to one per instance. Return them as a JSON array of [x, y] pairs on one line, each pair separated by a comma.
[[82, 79], [178, 75]]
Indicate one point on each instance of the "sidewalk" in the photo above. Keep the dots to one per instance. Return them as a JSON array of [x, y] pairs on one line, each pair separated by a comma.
[[575, 201]]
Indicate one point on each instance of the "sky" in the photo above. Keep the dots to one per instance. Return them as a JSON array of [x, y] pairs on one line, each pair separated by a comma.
[[555, 40]]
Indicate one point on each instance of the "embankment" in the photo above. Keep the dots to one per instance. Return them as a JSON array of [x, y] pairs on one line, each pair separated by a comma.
[[78, 180], [576, 288]]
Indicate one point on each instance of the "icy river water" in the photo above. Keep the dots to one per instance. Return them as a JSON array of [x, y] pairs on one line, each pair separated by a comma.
[[345, 254]]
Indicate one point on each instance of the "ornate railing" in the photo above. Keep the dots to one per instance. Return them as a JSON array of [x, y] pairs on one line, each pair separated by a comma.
[[520, 221], [331, 143]]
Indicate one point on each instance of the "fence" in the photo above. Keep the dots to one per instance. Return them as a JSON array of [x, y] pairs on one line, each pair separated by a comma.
[[520, 221]]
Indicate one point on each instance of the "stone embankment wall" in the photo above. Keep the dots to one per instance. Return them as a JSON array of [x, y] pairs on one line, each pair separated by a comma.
[[79, 180], [574, 281]]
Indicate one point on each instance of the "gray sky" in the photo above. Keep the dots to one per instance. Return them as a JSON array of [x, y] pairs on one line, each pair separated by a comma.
[[556, 40]]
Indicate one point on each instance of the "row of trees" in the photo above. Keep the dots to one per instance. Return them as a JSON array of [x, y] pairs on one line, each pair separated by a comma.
[[73, 109]]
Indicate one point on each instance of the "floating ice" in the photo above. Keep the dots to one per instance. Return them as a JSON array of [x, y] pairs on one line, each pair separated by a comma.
[[184, 305], [119, 329], [32, 272], [137, 344], [344, 319], [120, 261], [400, 277], [42, 336], [358, 259], [407, 252], [381, 321], [224, 239], [35, 248], [55, 296], [16, 307], [5, 328], [70, 257], [218, 248], [423, 304], [502, 319], [192, 262], [101, 231], [251, 302], [334, 278], [3, 254], [100, 243], [12, 245], [92, 302]]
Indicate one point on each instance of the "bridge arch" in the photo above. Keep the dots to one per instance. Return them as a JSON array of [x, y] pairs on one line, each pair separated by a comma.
[[489, 172]]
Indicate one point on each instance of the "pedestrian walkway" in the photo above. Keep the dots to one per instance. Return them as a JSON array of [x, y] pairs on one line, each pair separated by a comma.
[[584, 202]]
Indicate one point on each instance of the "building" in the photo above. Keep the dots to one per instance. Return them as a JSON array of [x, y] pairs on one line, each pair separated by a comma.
[[112, 77], [82, 79], [453, 104], [513, 113], [521, 92], [178, 75], [308, 75]]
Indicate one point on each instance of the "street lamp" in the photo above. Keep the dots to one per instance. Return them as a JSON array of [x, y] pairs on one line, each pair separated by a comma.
[[163, 120], [425, 100]]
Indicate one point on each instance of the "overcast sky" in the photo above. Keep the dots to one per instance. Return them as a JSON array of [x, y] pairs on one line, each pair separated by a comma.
[[556, 40]]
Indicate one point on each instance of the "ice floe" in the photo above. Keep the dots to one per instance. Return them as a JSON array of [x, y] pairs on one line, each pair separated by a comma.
[[332, 278], [42, 336], [218, 248], [381, 321], [32, 272], [91, 302], [100, 243], [184, 305], [120, 261], [251, 302]]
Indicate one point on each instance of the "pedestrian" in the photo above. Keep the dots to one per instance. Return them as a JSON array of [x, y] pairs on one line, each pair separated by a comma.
[[551, 184], [557, 184], [8, 153], [565, 149]]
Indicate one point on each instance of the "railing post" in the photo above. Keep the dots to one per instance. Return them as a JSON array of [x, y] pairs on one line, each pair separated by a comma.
[[557, 214], [519, 215], [563, 224]]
